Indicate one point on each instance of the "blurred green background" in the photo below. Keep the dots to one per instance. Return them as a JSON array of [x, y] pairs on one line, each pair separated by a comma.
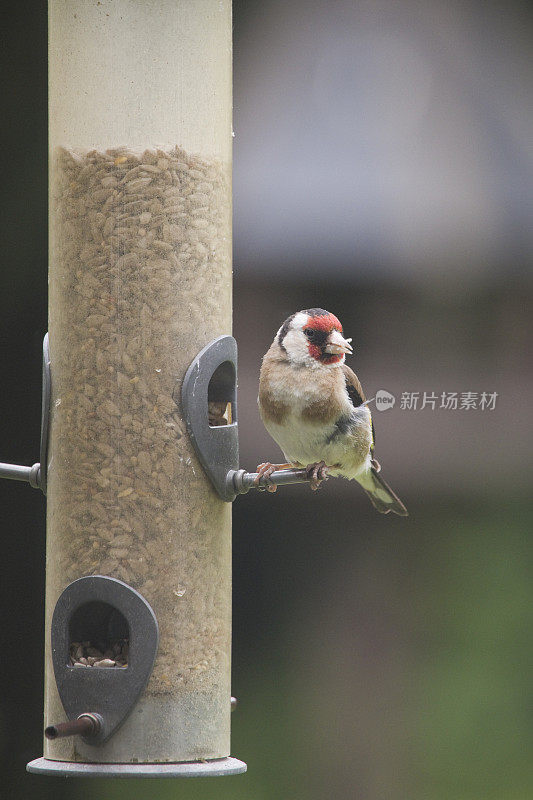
[[382, 172]]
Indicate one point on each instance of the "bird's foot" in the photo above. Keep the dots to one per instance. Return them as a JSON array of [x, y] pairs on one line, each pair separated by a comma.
[[265, 471], [316, 473]]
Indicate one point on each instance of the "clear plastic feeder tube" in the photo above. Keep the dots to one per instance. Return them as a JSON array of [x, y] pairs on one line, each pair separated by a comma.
[[140, 281]]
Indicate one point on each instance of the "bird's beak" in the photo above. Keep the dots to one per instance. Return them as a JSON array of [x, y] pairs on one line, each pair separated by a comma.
[[337, 344]]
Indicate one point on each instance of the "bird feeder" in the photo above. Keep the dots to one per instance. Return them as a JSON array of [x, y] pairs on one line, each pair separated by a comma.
[[139, 454], [138, 578]]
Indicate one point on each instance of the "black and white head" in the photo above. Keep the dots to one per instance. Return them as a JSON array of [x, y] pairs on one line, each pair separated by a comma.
[[313, 338]]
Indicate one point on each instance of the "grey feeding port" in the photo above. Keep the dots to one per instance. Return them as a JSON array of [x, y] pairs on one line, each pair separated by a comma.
[[211, 380], [103, 611]]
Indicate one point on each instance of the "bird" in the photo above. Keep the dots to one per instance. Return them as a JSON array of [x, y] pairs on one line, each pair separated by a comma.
[[313, 406]]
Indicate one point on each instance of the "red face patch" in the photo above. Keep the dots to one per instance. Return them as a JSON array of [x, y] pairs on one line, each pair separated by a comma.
[[325, 323], [324, 358], [317, 330], [331, 359]]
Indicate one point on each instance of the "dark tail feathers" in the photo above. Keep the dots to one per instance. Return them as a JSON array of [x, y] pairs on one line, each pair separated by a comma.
[[382, 496]]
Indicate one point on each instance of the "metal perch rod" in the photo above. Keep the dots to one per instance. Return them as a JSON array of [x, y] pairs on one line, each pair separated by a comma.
[[243, 481], [240, 480], [18, 473], [84, 725]]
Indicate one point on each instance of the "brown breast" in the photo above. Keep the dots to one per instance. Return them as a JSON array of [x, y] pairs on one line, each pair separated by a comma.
[[271, 409], [323, 411], [320, 397]]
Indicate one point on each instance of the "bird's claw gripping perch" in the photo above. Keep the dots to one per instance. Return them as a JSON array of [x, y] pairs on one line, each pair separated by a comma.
[[264, 471], [316, 473]]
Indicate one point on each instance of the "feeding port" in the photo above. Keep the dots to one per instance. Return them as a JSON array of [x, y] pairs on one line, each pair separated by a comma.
[[140, 279], [221, 395], [99, 636], [104, 620]]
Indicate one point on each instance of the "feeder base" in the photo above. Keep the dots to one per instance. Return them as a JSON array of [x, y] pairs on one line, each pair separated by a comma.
[[187, 769]]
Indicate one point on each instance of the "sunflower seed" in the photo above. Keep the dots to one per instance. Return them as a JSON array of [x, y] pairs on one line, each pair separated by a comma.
[[137, 239]]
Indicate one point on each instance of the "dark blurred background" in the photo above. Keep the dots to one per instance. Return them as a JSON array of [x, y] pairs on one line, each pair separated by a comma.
[[383, 171]]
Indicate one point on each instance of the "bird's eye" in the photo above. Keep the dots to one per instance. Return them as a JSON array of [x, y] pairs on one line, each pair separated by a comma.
[[309, 332]]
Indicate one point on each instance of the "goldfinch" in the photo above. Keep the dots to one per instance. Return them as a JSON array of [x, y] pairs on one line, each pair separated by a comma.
[[313, 406]]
